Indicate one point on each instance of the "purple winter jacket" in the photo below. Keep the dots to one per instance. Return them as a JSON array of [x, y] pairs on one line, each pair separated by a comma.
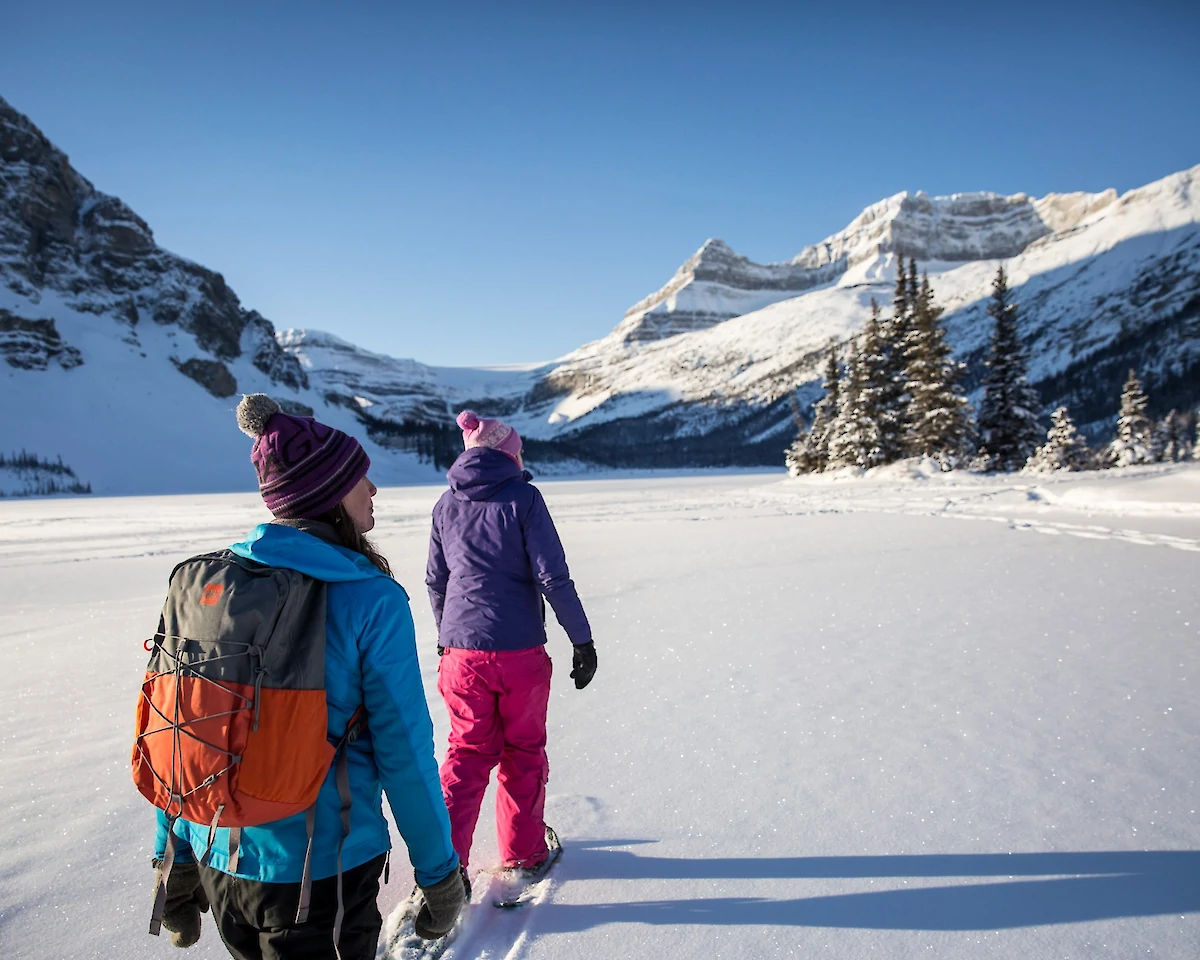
[[493, 553]]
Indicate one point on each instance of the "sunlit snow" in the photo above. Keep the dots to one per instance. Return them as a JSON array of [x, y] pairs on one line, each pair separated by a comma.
[[897, 716]]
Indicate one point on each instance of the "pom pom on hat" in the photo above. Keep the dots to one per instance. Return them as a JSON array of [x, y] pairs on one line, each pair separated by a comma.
[[468, 420], [253, 413]]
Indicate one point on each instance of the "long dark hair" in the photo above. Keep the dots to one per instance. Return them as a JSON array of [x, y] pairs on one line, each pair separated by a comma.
[[349, 536]]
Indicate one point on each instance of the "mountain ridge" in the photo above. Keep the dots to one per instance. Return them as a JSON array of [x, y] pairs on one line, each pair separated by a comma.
[[702, 371], [959, 227], [1115, 270]]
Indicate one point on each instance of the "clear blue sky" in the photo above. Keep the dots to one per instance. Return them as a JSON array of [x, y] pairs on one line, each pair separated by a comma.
[[473, 183]]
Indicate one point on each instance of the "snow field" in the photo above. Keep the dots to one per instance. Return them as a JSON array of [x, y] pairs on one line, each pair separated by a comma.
[[826, 721]]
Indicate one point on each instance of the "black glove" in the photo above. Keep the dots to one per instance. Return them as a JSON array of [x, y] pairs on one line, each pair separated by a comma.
[[583, 664], [443, 902], [186, 900]]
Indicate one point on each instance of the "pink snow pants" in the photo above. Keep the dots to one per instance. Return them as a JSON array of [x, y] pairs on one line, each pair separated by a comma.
[[497, 703]]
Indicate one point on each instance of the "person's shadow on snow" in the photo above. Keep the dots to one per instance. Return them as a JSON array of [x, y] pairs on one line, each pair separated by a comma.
[[1079, 887]]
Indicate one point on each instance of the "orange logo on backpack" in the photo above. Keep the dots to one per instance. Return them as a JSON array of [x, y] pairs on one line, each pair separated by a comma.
[[211, 594]]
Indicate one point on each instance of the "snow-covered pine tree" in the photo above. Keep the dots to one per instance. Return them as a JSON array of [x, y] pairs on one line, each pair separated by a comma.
[[1064, 448], [854, 439], [894, 331], [1171, 438], [825, 409], [810, 451], [900, 302], [1008, 425], [798, 457], [1196, 447], [939, 419], [839, 453], [880, 392], [1134, 442]]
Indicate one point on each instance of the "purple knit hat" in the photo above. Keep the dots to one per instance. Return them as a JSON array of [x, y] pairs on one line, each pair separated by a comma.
[[304, 467], [482, 432]]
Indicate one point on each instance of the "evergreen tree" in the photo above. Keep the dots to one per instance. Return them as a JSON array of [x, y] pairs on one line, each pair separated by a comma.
[[1064, 448], [840, 454], [1196, 448], [1133, 442], [939, 420], [895, 331], [912, 290], [825, 410], [981, 462], [880, 392], [900, 302], [810, 451], [798, 457], [1171, 438], [1008, 425], [854, 440]]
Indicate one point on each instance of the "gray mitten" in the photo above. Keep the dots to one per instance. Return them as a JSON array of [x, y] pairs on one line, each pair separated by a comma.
[[186, 900], [443, 902]]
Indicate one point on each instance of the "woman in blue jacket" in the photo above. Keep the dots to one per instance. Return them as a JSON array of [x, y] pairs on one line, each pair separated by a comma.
[[313, 478], [493, 555]]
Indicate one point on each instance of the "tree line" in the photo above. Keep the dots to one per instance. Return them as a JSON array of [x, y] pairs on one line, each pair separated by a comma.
[[896, 392], [39, 485]]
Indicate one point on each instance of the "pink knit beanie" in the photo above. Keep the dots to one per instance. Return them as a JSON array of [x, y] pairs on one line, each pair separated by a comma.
[[478, 432]]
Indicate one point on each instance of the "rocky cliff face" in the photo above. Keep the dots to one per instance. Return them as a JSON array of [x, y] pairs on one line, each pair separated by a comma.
[[954, 229], [716, 284], [32, 344], [60, 236]]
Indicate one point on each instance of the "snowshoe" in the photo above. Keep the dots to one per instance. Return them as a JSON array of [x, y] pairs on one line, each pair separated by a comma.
[[520, 882]]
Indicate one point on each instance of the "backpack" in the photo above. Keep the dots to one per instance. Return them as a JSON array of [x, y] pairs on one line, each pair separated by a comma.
[[232, 723]]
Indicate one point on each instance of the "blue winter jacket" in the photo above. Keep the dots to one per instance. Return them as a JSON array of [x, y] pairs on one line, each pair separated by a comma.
[[370, 660], [493, 554]]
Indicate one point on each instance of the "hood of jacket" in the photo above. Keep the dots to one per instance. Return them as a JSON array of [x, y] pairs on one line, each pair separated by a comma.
[[294, 548], [479, 472]]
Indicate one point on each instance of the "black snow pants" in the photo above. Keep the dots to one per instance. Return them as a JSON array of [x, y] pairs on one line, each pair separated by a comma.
[[257, 921]]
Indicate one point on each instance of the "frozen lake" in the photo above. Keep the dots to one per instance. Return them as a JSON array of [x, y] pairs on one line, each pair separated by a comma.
[[892, 717]]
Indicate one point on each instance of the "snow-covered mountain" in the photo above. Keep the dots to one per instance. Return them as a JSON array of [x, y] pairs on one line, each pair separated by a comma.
[[703, 370], [1103, 282], [125, 359], [120, 357], [716, 284]]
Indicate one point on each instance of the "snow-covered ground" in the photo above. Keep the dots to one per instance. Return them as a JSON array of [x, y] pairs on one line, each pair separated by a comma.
[[895, 716]]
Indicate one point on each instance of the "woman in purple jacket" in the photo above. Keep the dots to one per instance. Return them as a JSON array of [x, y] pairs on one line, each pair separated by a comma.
[[493, 555]]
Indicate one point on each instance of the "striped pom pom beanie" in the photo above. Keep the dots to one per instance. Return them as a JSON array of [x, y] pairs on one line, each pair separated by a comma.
[[304, 467]]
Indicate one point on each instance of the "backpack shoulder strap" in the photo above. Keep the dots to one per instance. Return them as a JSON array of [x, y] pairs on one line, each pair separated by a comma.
[[354, 729]]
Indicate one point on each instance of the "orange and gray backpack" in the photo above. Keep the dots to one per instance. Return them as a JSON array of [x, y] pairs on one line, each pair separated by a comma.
[[232, 725]]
